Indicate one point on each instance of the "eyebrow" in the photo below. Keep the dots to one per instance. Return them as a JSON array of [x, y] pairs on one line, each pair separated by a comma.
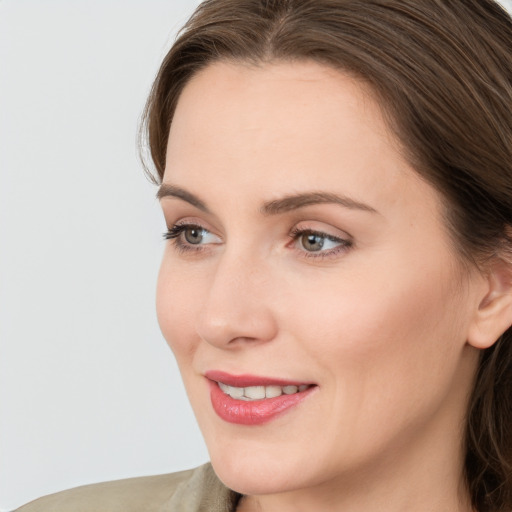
[[274, 207], [167, 190], [293, 202]]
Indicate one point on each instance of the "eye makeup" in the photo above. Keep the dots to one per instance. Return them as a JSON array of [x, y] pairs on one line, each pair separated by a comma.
[[313, 243], [308, 243]]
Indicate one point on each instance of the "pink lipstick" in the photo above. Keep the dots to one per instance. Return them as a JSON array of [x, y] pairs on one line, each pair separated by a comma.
[[253, 400]]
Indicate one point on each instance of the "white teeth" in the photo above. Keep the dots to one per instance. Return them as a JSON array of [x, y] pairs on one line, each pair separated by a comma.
[[235, 392], [273, 391], [231, 391], [255, 392], [260, 392], [290, 390]]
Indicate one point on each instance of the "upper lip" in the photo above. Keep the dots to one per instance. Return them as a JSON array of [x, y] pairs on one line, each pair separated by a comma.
[[246, 380]]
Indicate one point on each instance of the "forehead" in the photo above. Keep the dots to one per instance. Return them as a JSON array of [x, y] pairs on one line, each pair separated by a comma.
[[277, 102], [278, 128]]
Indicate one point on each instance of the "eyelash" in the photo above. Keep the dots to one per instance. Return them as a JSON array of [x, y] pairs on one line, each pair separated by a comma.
[[175, 234]]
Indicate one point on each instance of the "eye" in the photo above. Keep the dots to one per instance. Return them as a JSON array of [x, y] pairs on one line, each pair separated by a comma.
[[194, 235], [186, 236], [313, 241], [317, 244]]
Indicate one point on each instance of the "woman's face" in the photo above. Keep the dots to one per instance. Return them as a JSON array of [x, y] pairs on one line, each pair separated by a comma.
[[304, 251]]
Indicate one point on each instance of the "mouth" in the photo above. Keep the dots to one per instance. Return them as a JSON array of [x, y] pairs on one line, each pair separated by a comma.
[[252, 400], [251, 393]]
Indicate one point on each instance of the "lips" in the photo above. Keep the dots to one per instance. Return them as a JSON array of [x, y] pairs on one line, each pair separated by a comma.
[[253, 400], [247, 380]]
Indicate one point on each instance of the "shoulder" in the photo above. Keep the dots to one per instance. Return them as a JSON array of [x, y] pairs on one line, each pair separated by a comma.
[[183, 491]]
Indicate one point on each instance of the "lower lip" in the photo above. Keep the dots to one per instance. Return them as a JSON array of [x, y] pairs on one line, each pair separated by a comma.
[[255, 412]]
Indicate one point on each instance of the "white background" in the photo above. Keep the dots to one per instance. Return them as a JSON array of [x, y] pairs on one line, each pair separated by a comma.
[[89, 390]]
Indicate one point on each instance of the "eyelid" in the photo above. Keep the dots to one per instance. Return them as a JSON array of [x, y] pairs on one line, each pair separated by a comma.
[[322, 228], [192, 222], [197, 225]]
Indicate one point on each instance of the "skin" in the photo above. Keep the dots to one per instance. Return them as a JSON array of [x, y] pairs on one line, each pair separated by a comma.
[[379, 322]]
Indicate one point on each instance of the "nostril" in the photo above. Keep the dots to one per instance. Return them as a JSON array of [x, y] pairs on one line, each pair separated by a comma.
[[236, 309], [233, 327]]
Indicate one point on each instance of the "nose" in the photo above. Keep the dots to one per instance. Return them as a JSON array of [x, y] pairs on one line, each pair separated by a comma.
[[237, 308]]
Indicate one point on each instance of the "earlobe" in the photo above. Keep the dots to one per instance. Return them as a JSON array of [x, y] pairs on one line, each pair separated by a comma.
[[494, 314]]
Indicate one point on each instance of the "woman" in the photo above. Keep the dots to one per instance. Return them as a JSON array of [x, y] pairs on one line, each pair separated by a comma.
[[336, 180]]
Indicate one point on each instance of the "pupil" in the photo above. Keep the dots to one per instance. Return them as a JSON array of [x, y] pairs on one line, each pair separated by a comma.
[[312, 242], [193, 235]]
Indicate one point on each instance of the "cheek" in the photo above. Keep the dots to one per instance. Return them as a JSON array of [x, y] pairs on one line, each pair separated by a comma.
[[386, 344], [175, 298], [375, 308]]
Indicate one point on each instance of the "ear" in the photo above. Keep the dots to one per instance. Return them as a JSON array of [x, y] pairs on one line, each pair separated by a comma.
[[494, 314]]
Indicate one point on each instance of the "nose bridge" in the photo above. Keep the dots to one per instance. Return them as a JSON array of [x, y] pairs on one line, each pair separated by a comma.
[[236, 306]]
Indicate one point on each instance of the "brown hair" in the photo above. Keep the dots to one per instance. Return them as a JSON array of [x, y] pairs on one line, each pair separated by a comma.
[[443, 72]]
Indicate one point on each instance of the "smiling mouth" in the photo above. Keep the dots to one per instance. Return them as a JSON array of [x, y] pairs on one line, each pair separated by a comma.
[[251, 400], [252, 393]]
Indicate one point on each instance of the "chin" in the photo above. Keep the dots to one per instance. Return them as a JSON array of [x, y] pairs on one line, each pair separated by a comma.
[[256, 475], [253, 468]]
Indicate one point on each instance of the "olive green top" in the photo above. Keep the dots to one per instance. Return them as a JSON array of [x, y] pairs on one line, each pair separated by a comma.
[[196, 490]]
